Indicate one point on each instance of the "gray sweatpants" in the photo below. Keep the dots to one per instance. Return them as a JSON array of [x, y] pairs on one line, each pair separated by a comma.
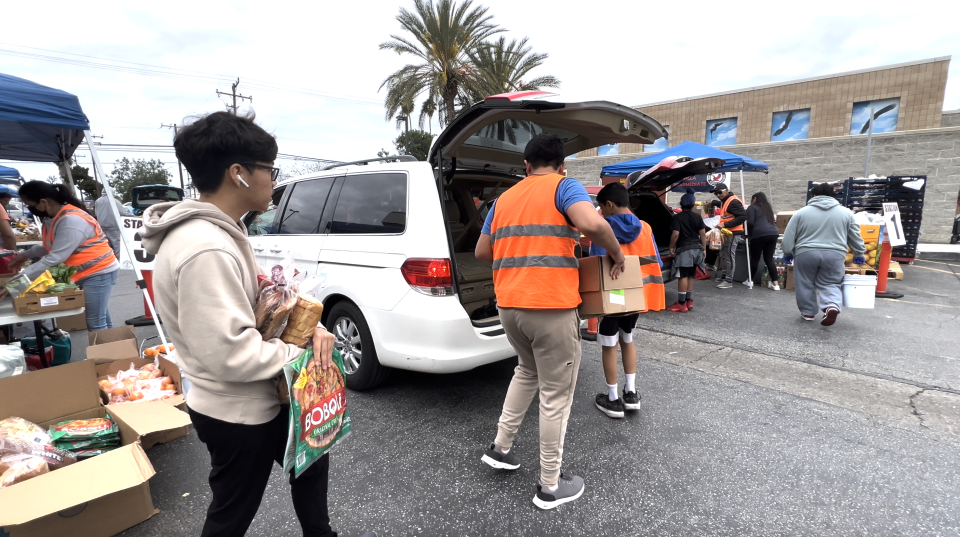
[[818, 275]]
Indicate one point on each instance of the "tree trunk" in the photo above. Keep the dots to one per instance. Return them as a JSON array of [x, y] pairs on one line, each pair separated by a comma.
[[449, 100]]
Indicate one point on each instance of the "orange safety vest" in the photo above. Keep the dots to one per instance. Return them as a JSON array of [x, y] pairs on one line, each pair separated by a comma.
[[534, 265], [645, 245], [93, 255], [725, 216]]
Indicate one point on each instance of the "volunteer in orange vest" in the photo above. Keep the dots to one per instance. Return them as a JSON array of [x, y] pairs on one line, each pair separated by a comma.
[[529, 236], [636, 238], [73, 237], [732, 217]]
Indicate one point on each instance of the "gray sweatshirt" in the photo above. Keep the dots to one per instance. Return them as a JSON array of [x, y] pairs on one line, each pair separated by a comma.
[[108, 223], [823, 224], [71, 231]]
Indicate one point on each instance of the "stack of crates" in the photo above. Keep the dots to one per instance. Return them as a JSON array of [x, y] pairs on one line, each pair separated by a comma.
[[839, 190], [866, 195], [910, 201]]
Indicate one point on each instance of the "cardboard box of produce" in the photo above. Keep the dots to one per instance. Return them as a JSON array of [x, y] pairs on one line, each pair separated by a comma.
[[783, 218], [602, 295], [168, 368], [42, 303], [73, 323], [112, 344], [96, 497]]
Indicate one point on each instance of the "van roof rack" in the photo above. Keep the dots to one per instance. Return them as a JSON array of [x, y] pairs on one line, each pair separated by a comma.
[[398, 158]]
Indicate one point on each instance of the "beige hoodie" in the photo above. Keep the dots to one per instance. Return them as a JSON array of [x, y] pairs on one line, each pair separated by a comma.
[[205, 284]]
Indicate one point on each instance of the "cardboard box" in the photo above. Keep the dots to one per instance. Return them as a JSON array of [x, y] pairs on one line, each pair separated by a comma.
[[112, 344], [783, 218], [37, 303], [870, 232], [788, 280], [602, 295], [96, 497], [73, 323], [168, 368]]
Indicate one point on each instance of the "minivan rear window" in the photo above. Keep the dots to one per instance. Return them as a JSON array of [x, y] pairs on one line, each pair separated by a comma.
[[371, 203], [513, 135]]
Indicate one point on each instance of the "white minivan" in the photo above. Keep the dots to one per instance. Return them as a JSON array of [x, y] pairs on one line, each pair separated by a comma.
[[392, 241]]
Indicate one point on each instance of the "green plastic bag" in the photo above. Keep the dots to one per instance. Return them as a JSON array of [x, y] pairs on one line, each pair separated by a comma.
[[319, 419]]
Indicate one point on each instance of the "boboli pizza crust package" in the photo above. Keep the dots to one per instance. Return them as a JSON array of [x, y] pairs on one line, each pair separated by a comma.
[[319, 419]]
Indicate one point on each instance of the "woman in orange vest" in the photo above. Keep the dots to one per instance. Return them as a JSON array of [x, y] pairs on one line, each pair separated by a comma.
[[636, 238], [73, 237]]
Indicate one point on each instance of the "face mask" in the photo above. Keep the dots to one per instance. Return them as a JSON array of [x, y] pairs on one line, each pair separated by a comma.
[[38, 213]]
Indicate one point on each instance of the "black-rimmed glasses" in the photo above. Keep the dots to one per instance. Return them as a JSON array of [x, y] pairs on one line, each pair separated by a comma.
[[274, 172]]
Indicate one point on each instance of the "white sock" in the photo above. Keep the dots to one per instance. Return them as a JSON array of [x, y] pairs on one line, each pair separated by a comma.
[[504, 451], [631, 382], [612, 392], [551, 489]]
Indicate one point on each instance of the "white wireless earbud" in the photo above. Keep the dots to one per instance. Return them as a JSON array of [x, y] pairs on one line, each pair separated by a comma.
[[244, 183]]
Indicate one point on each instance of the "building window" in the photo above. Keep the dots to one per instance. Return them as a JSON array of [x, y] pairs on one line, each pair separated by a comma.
[[606, 150], [790, 126], [658, 145], [885, 112], [721, 132]]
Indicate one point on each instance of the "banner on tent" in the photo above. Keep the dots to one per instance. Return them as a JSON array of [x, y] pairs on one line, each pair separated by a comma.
[[701, 183], [131, 226]]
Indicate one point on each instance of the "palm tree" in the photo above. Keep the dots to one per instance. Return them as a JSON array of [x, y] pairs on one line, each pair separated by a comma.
[[500, 67], [443, 34]]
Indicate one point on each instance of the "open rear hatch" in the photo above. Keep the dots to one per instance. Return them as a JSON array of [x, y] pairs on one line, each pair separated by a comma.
[[490, 137]]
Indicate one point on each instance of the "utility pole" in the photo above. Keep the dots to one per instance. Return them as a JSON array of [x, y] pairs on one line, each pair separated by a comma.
[[406, 123], [179, 165], [233, 93]]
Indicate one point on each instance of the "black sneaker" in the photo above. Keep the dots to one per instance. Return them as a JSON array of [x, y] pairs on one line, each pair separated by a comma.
[[569, 488], [614, 409], [500, 460], [631, 401]]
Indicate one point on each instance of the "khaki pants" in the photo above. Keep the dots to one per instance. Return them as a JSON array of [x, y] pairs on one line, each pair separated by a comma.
[[548, 346]]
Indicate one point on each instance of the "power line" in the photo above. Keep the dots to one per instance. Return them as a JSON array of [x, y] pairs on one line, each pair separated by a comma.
[[156, 148], [174, 74]]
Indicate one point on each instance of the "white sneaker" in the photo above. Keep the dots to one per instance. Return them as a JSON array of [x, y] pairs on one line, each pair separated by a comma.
[[773, 286], [747, 283]]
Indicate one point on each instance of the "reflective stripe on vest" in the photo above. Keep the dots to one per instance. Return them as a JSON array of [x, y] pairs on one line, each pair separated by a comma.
[[92, 255], [534, 265], [645, 245], [725, 216]]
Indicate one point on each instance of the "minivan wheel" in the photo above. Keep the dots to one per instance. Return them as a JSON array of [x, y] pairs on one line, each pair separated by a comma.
[[356, 348]]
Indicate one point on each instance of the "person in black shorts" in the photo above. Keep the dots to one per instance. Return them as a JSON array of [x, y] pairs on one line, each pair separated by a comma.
[[688, 242], [614, 330]]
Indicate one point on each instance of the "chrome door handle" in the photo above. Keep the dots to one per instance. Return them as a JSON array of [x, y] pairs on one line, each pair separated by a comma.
[[277, 251]]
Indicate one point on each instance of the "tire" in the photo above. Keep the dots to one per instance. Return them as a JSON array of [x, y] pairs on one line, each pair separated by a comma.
[[347, 324]]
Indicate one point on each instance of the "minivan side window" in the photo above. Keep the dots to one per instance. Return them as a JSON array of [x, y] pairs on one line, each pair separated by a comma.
[[261, 223], [371, 203], [301, 215]]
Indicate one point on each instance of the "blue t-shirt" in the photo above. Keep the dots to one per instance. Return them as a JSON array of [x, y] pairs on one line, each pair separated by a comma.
[[569, 192]]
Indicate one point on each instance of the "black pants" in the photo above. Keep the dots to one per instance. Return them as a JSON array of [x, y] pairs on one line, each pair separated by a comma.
[[242, 458], [763, 246]]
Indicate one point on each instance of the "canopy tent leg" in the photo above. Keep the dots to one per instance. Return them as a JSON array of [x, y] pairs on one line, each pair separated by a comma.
[[743, 200], [66, 169], [769, 189], [126, 245]]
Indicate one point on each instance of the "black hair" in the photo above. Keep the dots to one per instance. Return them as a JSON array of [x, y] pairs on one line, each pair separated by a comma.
[[60, 193], [822, 189], [765, 208], [213, 143], [544, 150], [615, 192]]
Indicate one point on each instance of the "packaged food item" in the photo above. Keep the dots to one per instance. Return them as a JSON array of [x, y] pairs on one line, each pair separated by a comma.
[[18, 285], [18, 468], [93, 452], [21, 429], [158, 350], [40, 284], [319, 419], [91, 443], [144, 384], [55, 458], [302, 321], [71, 430], [276, 298]]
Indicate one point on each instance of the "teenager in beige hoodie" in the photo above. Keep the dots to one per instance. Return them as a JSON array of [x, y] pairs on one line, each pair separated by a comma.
[[205, 282]]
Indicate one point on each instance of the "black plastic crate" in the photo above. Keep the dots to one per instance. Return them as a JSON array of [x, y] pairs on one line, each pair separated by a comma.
[[840, 190]]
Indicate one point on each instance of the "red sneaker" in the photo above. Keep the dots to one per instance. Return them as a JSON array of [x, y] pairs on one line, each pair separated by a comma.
[[678, 307], [689, 305], [830, 316]]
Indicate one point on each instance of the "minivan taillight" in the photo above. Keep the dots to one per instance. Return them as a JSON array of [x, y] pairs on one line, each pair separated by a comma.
[[429, 276]]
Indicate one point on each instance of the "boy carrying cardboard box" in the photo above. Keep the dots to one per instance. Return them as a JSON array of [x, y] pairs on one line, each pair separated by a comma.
[[635, 238]]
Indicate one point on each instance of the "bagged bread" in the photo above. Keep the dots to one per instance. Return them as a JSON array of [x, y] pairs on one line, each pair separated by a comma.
[[302, 321], [20, 467]]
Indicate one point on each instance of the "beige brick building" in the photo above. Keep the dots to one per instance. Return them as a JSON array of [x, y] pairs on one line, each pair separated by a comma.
[[825, 105]]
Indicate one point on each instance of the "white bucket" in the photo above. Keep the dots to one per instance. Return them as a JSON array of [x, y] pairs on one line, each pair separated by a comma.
[[859, 291]]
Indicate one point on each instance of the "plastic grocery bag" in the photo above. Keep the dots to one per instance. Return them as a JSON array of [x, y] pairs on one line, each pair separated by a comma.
[[12, 361], [319, 418], [276, 298], [715, 238]]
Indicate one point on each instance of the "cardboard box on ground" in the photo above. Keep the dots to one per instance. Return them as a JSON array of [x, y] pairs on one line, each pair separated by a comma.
[[96, 497], [602, 295]]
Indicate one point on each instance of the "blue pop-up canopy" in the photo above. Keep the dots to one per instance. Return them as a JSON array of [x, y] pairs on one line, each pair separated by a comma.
[[37, 123], [686, 149], [9, 172]]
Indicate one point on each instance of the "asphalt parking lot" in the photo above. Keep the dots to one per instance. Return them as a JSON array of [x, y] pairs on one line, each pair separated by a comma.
[[753, 423]]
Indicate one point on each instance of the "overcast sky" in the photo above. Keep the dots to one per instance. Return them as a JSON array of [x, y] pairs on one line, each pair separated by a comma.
[[623, 51]]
